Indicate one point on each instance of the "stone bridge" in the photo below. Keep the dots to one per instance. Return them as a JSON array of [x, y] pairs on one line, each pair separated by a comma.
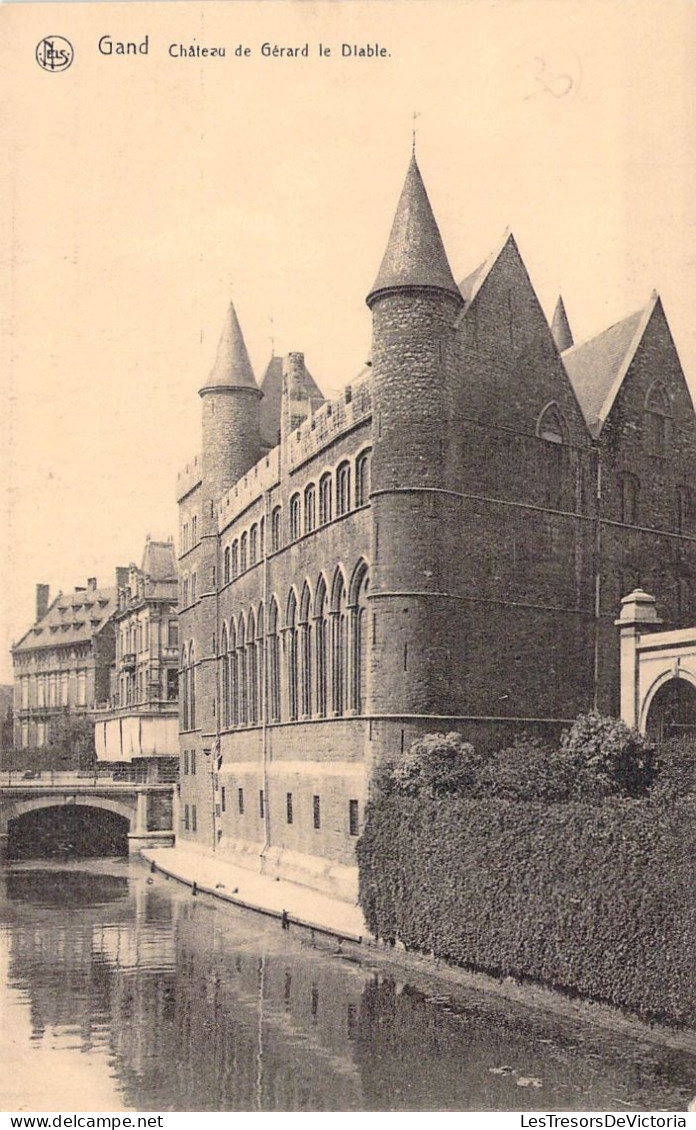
[[147, 808]]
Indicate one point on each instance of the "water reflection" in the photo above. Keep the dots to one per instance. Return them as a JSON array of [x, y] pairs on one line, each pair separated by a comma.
[[197, 1006]]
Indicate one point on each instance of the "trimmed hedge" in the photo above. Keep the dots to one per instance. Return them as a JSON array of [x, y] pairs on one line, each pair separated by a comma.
[[596, 899]]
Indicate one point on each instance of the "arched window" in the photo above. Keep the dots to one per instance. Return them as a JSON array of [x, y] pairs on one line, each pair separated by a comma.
[[183, 690], [275, 530], [295, 509], [235, 558], [224, 680], [342, 489], [310, 508], [656, 419], [243, 552], [254, 545], [233, 666], [321, 647], [325, 495], [242, 714], [362, 479], [262, 538], [339, 645], [359, 588], [192, 688], [252, 671], [552, 428], [273, 663], [260, 677], [226, 566], [306, 651], [630, 497], [291, 645]]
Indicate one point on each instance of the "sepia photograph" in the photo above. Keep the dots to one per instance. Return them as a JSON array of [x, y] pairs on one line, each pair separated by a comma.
[[348, 571]]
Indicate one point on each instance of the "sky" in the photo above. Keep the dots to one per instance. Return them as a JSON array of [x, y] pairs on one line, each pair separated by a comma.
[[147, 191]]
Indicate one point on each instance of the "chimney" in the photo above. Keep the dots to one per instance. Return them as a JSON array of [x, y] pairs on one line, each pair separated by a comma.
[[122, 572], [42, 592], [92, 584]]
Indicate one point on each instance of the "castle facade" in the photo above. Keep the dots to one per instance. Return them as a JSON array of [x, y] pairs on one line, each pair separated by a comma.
[[443, 548]]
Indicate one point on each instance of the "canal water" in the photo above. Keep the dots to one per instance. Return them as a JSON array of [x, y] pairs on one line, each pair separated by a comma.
[[123, 992]]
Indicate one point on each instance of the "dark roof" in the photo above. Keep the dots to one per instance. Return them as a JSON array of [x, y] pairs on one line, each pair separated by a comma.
[[560, 327], [597, 367], [272, 389], [159, 561], [232, 368], [74, 617], [415, 254]]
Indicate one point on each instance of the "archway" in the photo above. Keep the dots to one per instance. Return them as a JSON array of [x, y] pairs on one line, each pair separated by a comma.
[[672, 711], [67, 831]]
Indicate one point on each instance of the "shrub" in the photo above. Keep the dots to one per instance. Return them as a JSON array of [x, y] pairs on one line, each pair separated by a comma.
[[605, 756], [435, 765], [675, 765], [526, 770]]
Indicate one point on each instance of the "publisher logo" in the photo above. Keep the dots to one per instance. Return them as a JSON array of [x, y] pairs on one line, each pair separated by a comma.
[[54, 53]]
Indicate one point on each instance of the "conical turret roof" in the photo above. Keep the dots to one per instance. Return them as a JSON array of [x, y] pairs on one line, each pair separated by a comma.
[[560, 327], [415, 254], [232, 368]]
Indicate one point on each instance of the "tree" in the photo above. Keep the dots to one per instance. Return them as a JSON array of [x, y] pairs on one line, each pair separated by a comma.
[[70, 743], [606, 756]]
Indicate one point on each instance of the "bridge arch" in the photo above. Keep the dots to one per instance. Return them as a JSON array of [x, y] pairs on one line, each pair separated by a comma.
[[16, 808]]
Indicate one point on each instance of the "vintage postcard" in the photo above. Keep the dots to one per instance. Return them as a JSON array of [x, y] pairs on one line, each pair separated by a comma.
[[348, 582]]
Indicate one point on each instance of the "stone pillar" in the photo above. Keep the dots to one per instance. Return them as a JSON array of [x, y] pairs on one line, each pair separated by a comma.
[[141, 814], [638, 614]]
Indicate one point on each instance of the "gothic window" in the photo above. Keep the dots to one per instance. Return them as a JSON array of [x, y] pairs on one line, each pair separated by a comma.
[[233, 677], [252, 670], [273, 663], [552, 428], [342, 489], [359, 589], [242, 685], [630, 495], [253, 545], [235, 558], [686, 513], [275, 530], [295, 509], [306, 651], [262, 538], [321, 641], [656, 419], [226, 566], [362, 479], [339, 645], [310, 508], [224, 680], [260, 643], [325, 493], [243, 552], [292, 666]]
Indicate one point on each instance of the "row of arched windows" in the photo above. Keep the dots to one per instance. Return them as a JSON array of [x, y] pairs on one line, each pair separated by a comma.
[[244, 552], [311, 662], [187, 692], [657, 413]]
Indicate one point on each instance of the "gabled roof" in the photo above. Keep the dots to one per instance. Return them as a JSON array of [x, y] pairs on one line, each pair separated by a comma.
[[471, 285], [232, 368], [272, 389], [560, 327], [72, 618], [415, 254], [597, 367]]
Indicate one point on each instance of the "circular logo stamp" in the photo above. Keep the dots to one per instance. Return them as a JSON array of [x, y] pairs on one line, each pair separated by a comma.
[[54, 53]]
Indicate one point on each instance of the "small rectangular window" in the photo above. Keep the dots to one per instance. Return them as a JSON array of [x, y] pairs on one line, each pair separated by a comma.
[[353, 820], [316, 806], [186, 761], [223, 799], [193, 762], [288, 807], [262, 810], [240, 801], [186, 818], [194, 822]]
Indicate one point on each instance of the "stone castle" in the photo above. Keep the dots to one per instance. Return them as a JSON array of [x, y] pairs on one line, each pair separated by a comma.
[[443, 548]]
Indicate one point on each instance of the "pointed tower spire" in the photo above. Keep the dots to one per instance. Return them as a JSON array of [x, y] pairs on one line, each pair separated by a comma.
[[415, 254], [560, 328], [232, 368]]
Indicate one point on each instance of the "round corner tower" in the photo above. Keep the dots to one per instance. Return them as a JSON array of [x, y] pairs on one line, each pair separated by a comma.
[[414, 302]]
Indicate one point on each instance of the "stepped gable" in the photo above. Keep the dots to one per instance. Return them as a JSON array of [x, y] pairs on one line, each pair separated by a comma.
[[597, 367], [415, 255]]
